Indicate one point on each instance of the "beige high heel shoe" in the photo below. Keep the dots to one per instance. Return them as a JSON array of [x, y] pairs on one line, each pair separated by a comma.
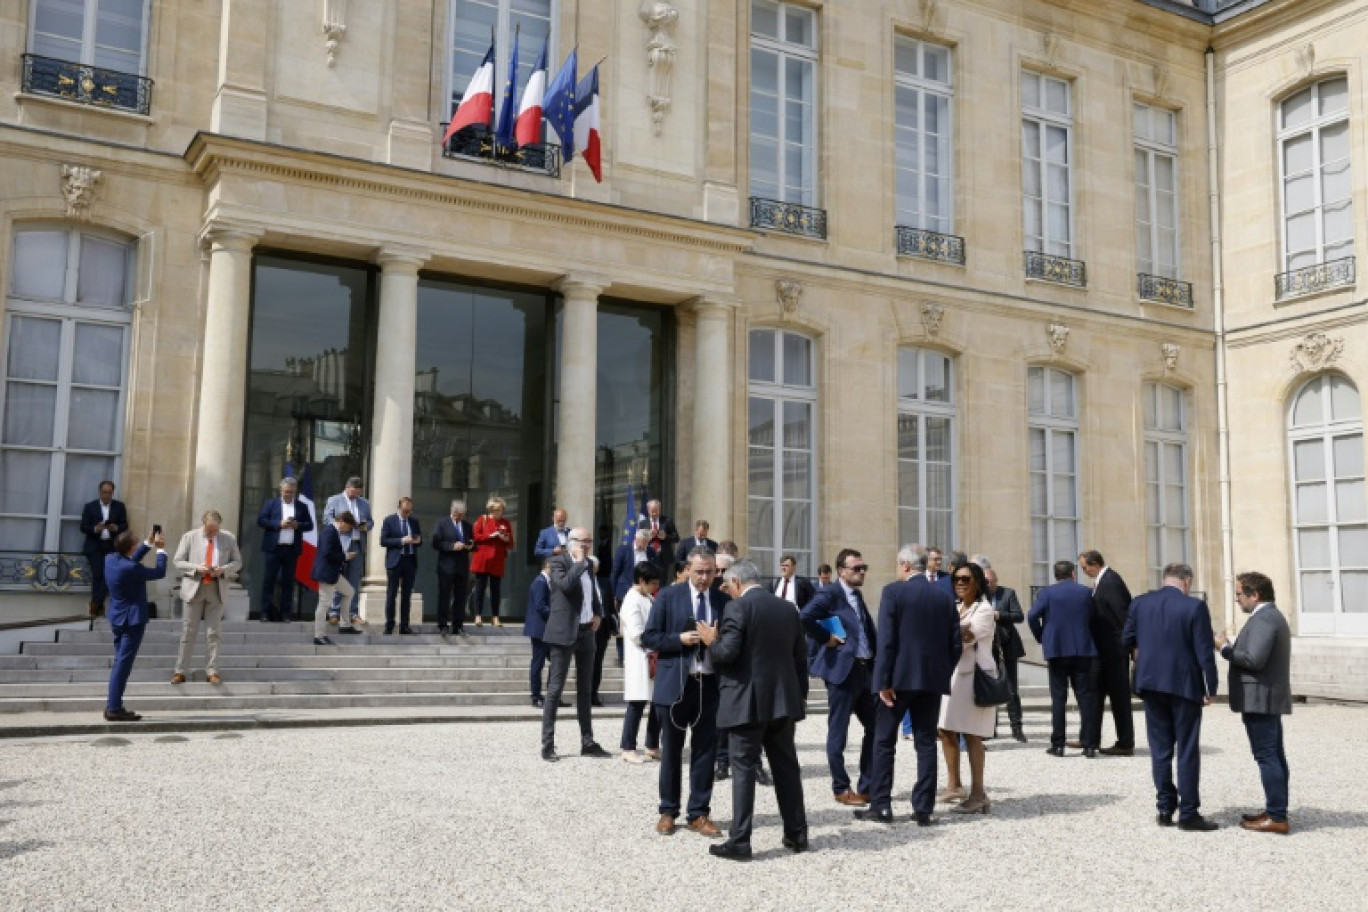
[[974, 804]]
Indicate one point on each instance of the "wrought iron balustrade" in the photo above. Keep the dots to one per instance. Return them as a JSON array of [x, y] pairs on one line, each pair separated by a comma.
[[929, 245], [791, 218], [1311, 279], [85, 84], [44, 571], [479, 143], [1061, 270], [1165, 291]]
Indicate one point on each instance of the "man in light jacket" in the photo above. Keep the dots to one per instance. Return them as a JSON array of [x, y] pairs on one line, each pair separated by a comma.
[[206, 559]]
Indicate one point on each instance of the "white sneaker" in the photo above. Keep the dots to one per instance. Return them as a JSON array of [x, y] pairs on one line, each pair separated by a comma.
[[632, 757]]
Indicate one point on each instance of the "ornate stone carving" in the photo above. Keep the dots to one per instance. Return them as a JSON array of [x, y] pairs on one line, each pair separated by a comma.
[[79, 185], [1169, 352], [928, 15], [334, 27], [661, 18], [1316, 351], [788, 292], [1306, 58], [1058, 336], [931, 315], [1051, 48], [1161, 79]]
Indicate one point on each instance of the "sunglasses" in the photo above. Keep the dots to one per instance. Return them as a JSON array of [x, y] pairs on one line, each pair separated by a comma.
[[858, 568], [963, 579]]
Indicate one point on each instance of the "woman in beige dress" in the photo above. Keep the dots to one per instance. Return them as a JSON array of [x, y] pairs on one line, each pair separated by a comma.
[[959, 715]]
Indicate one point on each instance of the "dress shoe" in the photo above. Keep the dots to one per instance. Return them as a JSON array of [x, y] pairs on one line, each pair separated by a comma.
[[406, 630], [974, 804], [653, 753], [1267, 825], [1018, 734], [762, 776], [1164, 818], [1117, 750], [595, 701], [178, 679], [358, 621], [731, 851], [1198, 824], [704, 827], [633, 757], [1076, 745], [389, 629], [443, 630], [592, 749], [951, 795], [96, 609], [722, 772], [214, 679], [796, 843], [322, 641], [665, 826], [458, 631], [1090, 753], [852, 799], [538, 702], [1055, 751], [563, 704], [875, 816], [1253, 818], [264, 619], [121, 715], [923, 819], [349, 631], [549, 754]]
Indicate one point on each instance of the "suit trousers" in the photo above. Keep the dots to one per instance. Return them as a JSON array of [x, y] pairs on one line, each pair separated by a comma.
[[278, 575], [399, 581], [98, 590], [451, 594], [1010, 665], [1265, 733], [1175, 723], [924, 710], [852, 697], [1080, 672], [342, 589], [776, 739], [696, 710], [583, 653], [540, 653], [1113, 685], [354, 569], [631, 724], [207, 603], [127, 639], [602, 637]]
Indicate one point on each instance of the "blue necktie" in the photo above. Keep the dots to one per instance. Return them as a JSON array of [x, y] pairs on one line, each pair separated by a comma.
[[701, 612]]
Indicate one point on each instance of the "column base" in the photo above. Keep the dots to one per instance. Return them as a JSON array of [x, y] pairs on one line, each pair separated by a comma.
[[372, 606]]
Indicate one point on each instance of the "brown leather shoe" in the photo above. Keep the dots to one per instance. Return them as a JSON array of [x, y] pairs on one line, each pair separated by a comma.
[[178, 679], [1076, 745], [1267, 825], [665, 826], [852, 799], [215, 679], [704, 827], [1254, 818], [1117, 750], [122, 715]]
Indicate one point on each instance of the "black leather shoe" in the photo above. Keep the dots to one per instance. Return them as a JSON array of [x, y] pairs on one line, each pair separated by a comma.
[[923, 820], [322, 641], [1055, 751], [762, 776], [1198, 824], [549, 754], [264, 619], [595, 701], [443, 630], [563, 704], [1090, 753], [406, 630], [122, 715], [1163, 819], [727, 850], [592, 749], [873, 816], [797, 843], [1018, 734], [458, 631], [722, 772], [348, 631], [538, 702], [389, 628]]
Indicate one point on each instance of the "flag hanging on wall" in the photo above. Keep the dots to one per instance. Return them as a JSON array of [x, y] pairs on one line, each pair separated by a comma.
[[504, 135], [528, 131], [560, 105], [587, 123], [477, 105]]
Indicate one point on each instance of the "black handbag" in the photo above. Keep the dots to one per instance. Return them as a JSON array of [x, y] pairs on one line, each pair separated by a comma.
[[992, 689]]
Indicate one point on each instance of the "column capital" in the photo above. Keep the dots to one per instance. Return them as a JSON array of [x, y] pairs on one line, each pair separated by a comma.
[[402, 260], [224, 234], [581, 285], [710, 306]]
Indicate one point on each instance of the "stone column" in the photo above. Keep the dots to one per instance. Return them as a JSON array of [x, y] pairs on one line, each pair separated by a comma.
[[577, 429], [391, 460], [711, 451]]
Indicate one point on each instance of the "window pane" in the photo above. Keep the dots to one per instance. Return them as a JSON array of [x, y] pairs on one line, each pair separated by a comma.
[[1035, 383], [938, 440], [40, 261], [909, 482], [908, 374], [1354, 592], [1056, 96], [1334, 96], [1173, 463], [938, 486], [1064, 504], [102, 279], [1030, 90], [22, 534], [1314, 548], [82, 478], [937, 61], [1311, 505], [1307, 410], [797, 360], [98, 359], [1061, 394], [1353, 547], [938, 383], [761, 422], [765, 19], [119, 35], [1344, 399], [797, 426], [24, 481], [1348, 456], [762, 355], [800, 26], [34, 348], [1349, 501], [906, 57], [92, 419], [30, 414], [761, 472], [1296, 111], [1038, 460], [762, 523], [908, 427], [797, 525]]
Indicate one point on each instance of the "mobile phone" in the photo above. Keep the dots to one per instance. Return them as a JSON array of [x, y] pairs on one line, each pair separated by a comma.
[[156, 530]]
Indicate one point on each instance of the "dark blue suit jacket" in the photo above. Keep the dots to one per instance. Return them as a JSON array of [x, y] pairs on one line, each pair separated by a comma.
[[269, 519], [946, 583], [1061, 621], [331, 561], [538, 607], [672, 613], [624, 564], [392, 539], [919, 638], [91, 516], [833, 663], [548, 540], [127, 579], [1174, 647]]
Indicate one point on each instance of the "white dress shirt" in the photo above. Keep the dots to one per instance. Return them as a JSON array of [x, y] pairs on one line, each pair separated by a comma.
[[787, 589], [287, 511], [702, 659], [587, 583], [104, 513]]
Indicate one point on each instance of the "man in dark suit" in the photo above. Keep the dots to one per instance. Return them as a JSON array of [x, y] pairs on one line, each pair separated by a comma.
[[551, 540], [452, 541], [625, 560], [919, 646], [946, 581], [846, 664], [400, 536], [1009, 614], [1111, 602], [664, 538], [101, 522], [575, 613], [338, 547], [791, 587], [934, 560], [1061, 622], [686, 691], [284, 521], [1261, 691], [127, 579], [700, 537], [534, 626], [1175, 674], [761, 660]]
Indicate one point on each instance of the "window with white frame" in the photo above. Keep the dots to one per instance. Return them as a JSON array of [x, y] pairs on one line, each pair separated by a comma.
[[1052, 416], [62, 387], [783, 102], [782, 451], [473, 22], [1166, 486], [110, 34], [1156, 191], [1317, 186], [922, 148], [926, 442], [1047, 164]]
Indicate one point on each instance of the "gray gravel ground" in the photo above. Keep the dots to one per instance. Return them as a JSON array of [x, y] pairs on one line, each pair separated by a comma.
[[467, 816]]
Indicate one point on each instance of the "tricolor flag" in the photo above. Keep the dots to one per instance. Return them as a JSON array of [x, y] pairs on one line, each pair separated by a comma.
[[477, 105], [309, 541], [587, 123], [503, 136], [560, 105], [529, 128]]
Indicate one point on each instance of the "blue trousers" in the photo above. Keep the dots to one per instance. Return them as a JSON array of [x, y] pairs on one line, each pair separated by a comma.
[[1266, 742], [1174, 726], [278, 574], [850, 698], [127, 639], [924, 710], [695, 717], [540, 654]]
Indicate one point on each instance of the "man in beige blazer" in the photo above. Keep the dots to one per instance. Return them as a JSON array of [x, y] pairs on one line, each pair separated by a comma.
[[206, 559]]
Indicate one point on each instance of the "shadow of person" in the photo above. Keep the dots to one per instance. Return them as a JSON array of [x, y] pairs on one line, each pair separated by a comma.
[[17, 847]]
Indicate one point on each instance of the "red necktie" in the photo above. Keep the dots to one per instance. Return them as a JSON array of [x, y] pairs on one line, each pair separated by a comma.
[[783, 593], [209, 560]]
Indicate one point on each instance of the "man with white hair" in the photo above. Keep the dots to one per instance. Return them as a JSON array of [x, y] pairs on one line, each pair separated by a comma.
[[575, 615], [206, 559], [664, 537]]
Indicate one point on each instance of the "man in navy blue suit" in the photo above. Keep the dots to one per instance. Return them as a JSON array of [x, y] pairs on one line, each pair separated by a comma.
[[452, 542], [552, 540], [625, 559], [128, 579], [1170, 634], [919, 646], [1061, 621], [101, 522], [400, 536], [534, 625], [846, 665], [284, 521]]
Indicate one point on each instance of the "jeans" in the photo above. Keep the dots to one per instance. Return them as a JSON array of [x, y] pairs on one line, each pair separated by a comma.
[[278, 574], [631, 724], [1265, 733]]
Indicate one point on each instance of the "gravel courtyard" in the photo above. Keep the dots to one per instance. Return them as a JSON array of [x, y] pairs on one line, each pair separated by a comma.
[[467, 816]]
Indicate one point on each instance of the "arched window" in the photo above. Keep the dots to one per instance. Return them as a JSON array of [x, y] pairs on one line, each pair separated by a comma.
[[926, 442], [1329, 508], [1166, 486], [782, 453], [1052, 413]]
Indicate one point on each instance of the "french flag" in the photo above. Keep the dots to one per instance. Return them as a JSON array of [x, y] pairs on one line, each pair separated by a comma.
[[587, 123], [477, 105], [528, 130], [309, 542]]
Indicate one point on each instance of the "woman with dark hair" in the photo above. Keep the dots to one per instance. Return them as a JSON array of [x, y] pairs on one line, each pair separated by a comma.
[[960, 715], [681, 571], [637, 685]]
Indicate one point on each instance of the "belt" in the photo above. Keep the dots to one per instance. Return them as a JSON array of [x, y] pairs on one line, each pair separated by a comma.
[[864, 661], [588, 626]]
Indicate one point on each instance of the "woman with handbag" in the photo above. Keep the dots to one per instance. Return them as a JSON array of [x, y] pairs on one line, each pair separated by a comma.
[[637, 685], [960, 713], [493, 541]]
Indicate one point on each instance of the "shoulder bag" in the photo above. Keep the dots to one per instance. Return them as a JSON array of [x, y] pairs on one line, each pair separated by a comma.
[[991, 689]]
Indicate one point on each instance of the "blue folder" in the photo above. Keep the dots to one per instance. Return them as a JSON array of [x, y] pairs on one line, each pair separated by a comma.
[[833, 626]]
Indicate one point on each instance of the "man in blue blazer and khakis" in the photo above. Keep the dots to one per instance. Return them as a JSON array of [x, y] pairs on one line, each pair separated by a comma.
[[1061, 621], [1170, 634], [552, 540], [127, 579], [400, 536], [351, 501]]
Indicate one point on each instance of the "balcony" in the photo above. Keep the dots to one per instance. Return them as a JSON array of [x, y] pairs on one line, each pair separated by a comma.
[[789, 218], [1164, 291], [87, 85], [477, 143], [1311, 279], [1057, 269], [929, 245], [43, 571]]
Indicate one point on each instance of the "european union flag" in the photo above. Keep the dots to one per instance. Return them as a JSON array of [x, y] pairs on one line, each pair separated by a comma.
[[559, 107], [508, 111]]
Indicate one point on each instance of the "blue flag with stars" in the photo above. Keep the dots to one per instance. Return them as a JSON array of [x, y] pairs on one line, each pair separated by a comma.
[[559, 107], [629, 522], [508, 111]]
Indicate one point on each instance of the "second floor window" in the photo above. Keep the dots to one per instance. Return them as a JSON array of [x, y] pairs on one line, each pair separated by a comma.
[[1156, 191], [922, 148], [1047, 164], [472, 23], [783, 102], [109, 34], [1317, 187]]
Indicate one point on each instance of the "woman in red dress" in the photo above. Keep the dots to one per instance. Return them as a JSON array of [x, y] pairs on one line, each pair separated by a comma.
[[493, 541]]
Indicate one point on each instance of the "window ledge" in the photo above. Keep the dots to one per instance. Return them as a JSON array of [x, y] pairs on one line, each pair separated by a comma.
[[1167, 305], [25, 98], [1316, 293]]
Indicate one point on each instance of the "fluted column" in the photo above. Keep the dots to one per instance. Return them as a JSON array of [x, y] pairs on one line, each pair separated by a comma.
[[712, 470], [578, 416]]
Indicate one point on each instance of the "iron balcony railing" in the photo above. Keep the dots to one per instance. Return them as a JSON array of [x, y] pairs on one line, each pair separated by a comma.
[[1036, 590], [1164, 291], [51, 571], [1311, 279], [1058, 269], [87, 84], [478, 143], [789, 218], [929, 245]]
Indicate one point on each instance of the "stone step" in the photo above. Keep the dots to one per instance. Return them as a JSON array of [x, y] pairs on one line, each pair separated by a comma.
[[494, 676], [318, 657], [409, 646], [106, 641], [279, 702], [234, 687]]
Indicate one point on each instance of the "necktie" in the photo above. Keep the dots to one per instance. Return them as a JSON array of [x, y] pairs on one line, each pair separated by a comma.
[[209, 560], [783, 593], [459, 537], [701, 612], [408, 549]]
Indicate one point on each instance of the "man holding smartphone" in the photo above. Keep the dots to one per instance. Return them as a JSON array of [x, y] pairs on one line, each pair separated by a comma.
[[337, 550], [128, 579], [284, 521], [400, 535], [575, 614]]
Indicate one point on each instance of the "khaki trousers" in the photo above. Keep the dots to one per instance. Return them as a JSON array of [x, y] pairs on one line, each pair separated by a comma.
[[325, 600], [205, 602]]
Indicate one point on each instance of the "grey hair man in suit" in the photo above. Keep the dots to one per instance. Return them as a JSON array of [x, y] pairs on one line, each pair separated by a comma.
[[1261, 691], [206, 559], [351, 501], [574, 617]]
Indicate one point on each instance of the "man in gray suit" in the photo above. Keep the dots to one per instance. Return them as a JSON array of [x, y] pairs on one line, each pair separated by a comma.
[[1261, 691], [351, 501], [575, 614]]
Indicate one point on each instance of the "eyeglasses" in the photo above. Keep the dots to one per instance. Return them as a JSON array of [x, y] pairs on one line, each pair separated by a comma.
[[963, 579], [858, 568], [582, 539]]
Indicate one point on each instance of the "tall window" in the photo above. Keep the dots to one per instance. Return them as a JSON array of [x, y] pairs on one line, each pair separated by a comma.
[[1053, 418], [922, 93], [1047, 164], [783, 102], [1156, 191], [782, 449], [1318, 209], [472, 24], [62, 387], [110, 34], [1329, 508], [926, 418], [1166, 487]]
